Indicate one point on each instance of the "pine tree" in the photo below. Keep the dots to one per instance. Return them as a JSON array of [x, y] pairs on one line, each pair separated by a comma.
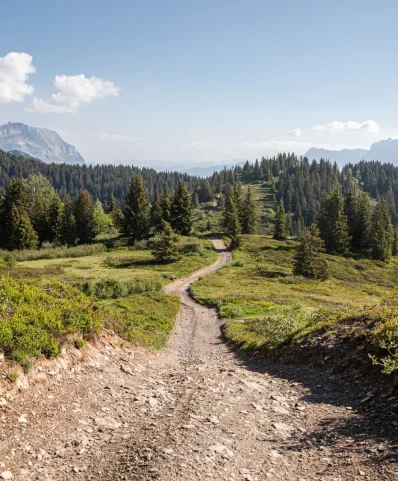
[[110, 206], [195, 200], [136, 211], [307, 261], [156, 214], [84, 215], [23, 236], [16, 230], [249, 214], [231, 222], [381, 234], [181, 210], [69, 228], [394, 251], [55, 219], [351, 212], [280, 222], [333, 224], [361, 234], [165, 246], [166, 205]]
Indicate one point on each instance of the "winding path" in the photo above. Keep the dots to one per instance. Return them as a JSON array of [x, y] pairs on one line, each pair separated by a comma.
[[196, 411]]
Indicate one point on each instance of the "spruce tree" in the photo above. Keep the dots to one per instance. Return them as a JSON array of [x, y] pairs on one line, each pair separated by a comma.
[[69, 229], [164, 247], [249, 213], [280, 222], [156, 213], [394, 251], [231, 221], [361, 234], [166, 205], [55, 219], [16, 230], [136, 211], [110, 205], [23, 236], [84, 215], [307, 260], [333, 224], [351, 212], [381, 234], [181, 210], [195, 200]]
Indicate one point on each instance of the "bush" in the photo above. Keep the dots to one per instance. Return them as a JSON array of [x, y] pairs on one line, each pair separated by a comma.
[[79, 343], [36, 315], [53, 252], [192, 247], [115, 289]]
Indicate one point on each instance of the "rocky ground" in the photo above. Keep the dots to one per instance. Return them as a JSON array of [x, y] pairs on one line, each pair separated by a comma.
[[195, 411]]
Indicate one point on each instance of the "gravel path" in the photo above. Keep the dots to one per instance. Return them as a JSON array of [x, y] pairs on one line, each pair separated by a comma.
[[195, 411]]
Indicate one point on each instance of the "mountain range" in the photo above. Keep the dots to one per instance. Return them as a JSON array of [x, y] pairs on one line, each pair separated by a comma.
[[384, 150], [33, 142]]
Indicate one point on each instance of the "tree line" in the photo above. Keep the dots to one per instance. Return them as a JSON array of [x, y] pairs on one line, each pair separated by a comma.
[[32, 213]]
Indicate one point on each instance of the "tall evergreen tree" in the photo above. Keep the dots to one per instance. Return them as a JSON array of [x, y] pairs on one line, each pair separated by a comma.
[[381, 234], [351, 212], [249, 213], [136, 211], [156, 213], [84, 215], [69, 228], [166, 205], [111, 205], [16, 230], [307, 261], [394, 251], [280, 222], [333, 224], [55, 219], [231, 221], [181, 210], [361, 233]]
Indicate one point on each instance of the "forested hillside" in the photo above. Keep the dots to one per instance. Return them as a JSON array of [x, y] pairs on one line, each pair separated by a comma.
[[100, 181]]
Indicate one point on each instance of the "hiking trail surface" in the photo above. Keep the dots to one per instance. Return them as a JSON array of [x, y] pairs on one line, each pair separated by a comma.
[[194, 411]]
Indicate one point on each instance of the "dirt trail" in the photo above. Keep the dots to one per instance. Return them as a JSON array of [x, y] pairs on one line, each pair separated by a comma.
[[195, 411]]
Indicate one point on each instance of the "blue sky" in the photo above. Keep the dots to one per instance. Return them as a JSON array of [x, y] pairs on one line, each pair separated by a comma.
[[180, 82]]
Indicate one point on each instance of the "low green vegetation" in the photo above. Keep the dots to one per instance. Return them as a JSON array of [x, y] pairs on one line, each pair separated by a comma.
[[44, 300], [268, 307], [36, 316]]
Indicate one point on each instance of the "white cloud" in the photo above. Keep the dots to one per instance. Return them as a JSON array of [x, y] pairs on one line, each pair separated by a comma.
[[103, 137], [350, 126], [74, 91], [295, 132], [15, 69]]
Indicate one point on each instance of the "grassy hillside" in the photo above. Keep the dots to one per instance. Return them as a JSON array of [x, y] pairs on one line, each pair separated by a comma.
[[268, 307], [44, 300]]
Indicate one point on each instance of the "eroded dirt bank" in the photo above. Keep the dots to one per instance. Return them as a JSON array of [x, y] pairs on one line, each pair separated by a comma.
[[194, 411]]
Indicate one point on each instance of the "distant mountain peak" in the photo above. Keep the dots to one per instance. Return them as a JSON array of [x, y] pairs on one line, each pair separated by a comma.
[[384, 150], [43, 144]]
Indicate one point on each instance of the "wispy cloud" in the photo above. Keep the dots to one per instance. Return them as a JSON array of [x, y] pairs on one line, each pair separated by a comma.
[[350, 126], [73, 92], [15, 69], [104, 137], [295, 132]]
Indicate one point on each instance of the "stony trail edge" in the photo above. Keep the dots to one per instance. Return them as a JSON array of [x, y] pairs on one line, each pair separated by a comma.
[[194, 411]]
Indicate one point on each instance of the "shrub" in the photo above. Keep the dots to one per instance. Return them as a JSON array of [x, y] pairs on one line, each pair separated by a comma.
[[79, 343], [110, 289], [36, 315], [54, 252], [12, 375], [114, 289], [192, 247]]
